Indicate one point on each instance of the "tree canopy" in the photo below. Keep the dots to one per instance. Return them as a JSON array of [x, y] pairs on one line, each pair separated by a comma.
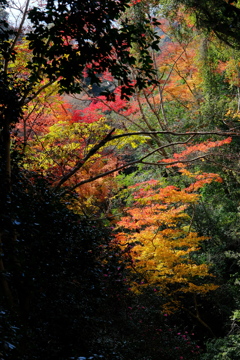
[[119, 180]]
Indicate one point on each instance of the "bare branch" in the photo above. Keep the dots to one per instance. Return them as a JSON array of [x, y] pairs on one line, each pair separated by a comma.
[[93, 178], [109, 138], [24, 15], [189, 133]]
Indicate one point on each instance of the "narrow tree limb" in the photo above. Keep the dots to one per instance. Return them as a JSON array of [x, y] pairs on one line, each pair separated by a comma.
[[109, 138], [198, 317], [93, 178], [188, 133]]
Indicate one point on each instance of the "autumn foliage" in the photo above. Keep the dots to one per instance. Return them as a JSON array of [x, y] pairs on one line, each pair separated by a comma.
[[158, 231], [161, 241], [59, 148]]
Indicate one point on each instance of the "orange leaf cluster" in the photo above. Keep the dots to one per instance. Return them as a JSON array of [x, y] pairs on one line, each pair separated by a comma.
[[157, 230], [195, 150]]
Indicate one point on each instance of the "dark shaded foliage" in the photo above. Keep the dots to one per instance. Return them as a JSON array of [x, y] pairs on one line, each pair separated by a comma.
[[56, 267], [220, 16], [68, 36]]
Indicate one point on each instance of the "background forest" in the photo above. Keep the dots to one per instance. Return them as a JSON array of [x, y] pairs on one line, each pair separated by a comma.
[[119, 190]]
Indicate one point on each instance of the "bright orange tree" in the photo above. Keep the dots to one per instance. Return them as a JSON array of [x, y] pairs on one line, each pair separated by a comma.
[[162, 242], [159, 234]]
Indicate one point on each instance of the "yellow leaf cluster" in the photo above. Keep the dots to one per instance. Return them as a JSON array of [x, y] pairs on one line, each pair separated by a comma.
[[157, 229]]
